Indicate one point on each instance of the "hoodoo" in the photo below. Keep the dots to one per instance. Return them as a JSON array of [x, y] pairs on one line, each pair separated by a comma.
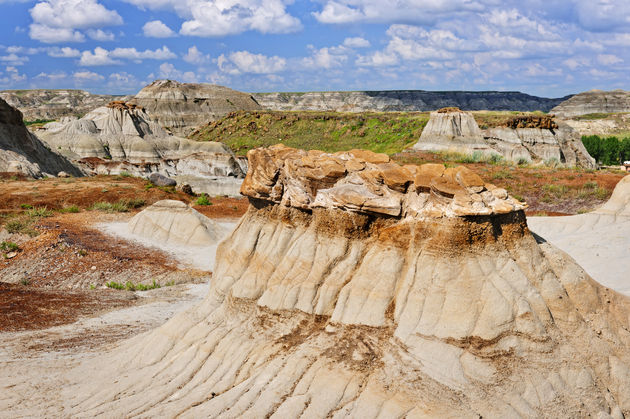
[[354, 287]]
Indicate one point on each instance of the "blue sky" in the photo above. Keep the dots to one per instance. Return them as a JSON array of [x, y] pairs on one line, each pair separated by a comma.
[[542, 47]]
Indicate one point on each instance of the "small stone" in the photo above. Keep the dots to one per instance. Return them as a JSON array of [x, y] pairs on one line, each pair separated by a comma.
[[500, 193], [11, 255], [63, 174], [93, 268], [159, 179]]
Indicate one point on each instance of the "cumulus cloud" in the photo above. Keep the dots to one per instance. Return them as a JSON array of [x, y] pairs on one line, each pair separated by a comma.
[[64, 20], [168, 71], [82, 76], [214, 18], [247, 62], [100, 35], [356, 42], [101, 56], [64, 52], [14, 59], [157, 29], [194, 56], [608, 59], [325, 58]]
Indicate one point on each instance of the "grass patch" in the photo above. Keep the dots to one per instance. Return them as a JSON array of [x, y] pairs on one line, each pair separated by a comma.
[[72, 209], [203, 200], [130, 286], [9, 246], [21, 226], [123, 205], [503, 174], [26, 206], [39, 212]]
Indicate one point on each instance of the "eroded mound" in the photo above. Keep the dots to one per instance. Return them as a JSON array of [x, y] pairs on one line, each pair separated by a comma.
[[321, 307]]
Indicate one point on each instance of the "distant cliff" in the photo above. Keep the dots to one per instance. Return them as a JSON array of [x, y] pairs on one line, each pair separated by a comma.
[[404, 100], [53, 104], [594, 101]]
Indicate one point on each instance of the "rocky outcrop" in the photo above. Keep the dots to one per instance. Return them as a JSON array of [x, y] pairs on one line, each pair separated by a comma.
[[174, 222], [532, 138], [599, 241], [22, 153], [594, 101], [181, 107], [403, 100], [53, 104], [341, 311], [122, 137]]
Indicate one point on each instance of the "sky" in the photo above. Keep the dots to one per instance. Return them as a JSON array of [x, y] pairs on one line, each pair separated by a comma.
[[547, 48]]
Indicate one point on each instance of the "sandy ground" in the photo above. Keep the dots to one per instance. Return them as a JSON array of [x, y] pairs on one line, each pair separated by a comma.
[[600, 243], [198, 257]]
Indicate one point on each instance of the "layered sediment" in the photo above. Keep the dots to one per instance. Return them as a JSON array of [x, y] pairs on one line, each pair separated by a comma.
[[22, 153], [328, 302], [529, 138], [594, 101]]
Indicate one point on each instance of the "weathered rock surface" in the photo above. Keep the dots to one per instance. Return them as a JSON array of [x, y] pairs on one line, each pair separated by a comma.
[[332, 312], [23, 153], [599, 241], [403, 100], [531, 138], [161, 180], [181, 107], [174, 222], [121, 137], [594, 101], [54, 104]]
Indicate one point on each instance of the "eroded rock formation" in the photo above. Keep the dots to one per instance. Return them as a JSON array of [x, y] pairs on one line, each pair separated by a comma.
[[594, 101], [49, 104], [181, 107], [532, 138], [122, 137], [22, 153], [321, 306], [403, 100], [174, 222]]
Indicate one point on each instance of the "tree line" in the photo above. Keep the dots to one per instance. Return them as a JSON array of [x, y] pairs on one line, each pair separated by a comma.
[[608, 151]]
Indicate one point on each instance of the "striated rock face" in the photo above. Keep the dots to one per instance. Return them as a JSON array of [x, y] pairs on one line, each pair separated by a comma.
[[403, 100], [533, 138], [54, 104], [181, 107], [332, 311], [122, 137], [174, 222], [23, 153], [594, 101]]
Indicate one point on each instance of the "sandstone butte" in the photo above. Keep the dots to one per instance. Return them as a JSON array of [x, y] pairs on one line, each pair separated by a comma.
[[354, 287]]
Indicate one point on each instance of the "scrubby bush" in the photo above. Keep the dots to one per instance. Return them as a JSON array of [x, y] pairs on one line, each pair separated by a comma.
[[203, 200]]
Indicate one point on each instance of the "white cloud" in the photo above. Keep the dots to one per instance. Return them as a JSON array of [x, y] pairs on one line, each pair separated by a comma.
[[194, 56], [377, 59], [417, 11], [356, 42], [82, 76], [56, 76], [246, 62], [13, 75], [99, 57], [324, 58], [157, 29], [62, 20], [168, 71], [14, 59], [214, 18], [608, 59], [65, 52], [132, 54], [100, 35]]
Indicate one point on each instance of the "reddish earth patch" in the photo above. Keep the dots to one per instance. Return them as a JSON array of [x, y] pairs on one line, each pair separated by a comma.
[[224, 207], [25, 308]]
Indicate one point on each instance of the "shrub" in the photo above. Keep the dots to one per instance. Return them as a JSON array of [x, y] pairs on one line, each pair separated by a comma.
[[39, 212], [522, 161], [133, 203], [203, 200], [496, 159]]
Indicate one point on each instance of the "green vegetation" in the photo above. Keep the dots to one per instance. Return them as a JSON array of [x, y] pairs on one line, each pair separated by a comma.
[[9, 246], [70, 209], [39, 212], [130, 286], [327, 131], [26, 206], [591, 116], [38, 122], [609, 150], [123, 205], [203, 200]]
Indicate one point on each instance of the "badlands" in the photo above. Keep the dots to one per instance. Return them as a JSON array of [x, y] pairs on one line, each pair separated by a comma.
[[335, 281]]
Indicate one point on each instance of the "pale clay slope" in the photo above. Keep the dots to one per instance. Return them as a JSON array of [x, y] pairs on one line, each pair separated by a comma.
[[123, 138], [599, 241], [594, 101], [458, 131], [21, 152], [344, 314]]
